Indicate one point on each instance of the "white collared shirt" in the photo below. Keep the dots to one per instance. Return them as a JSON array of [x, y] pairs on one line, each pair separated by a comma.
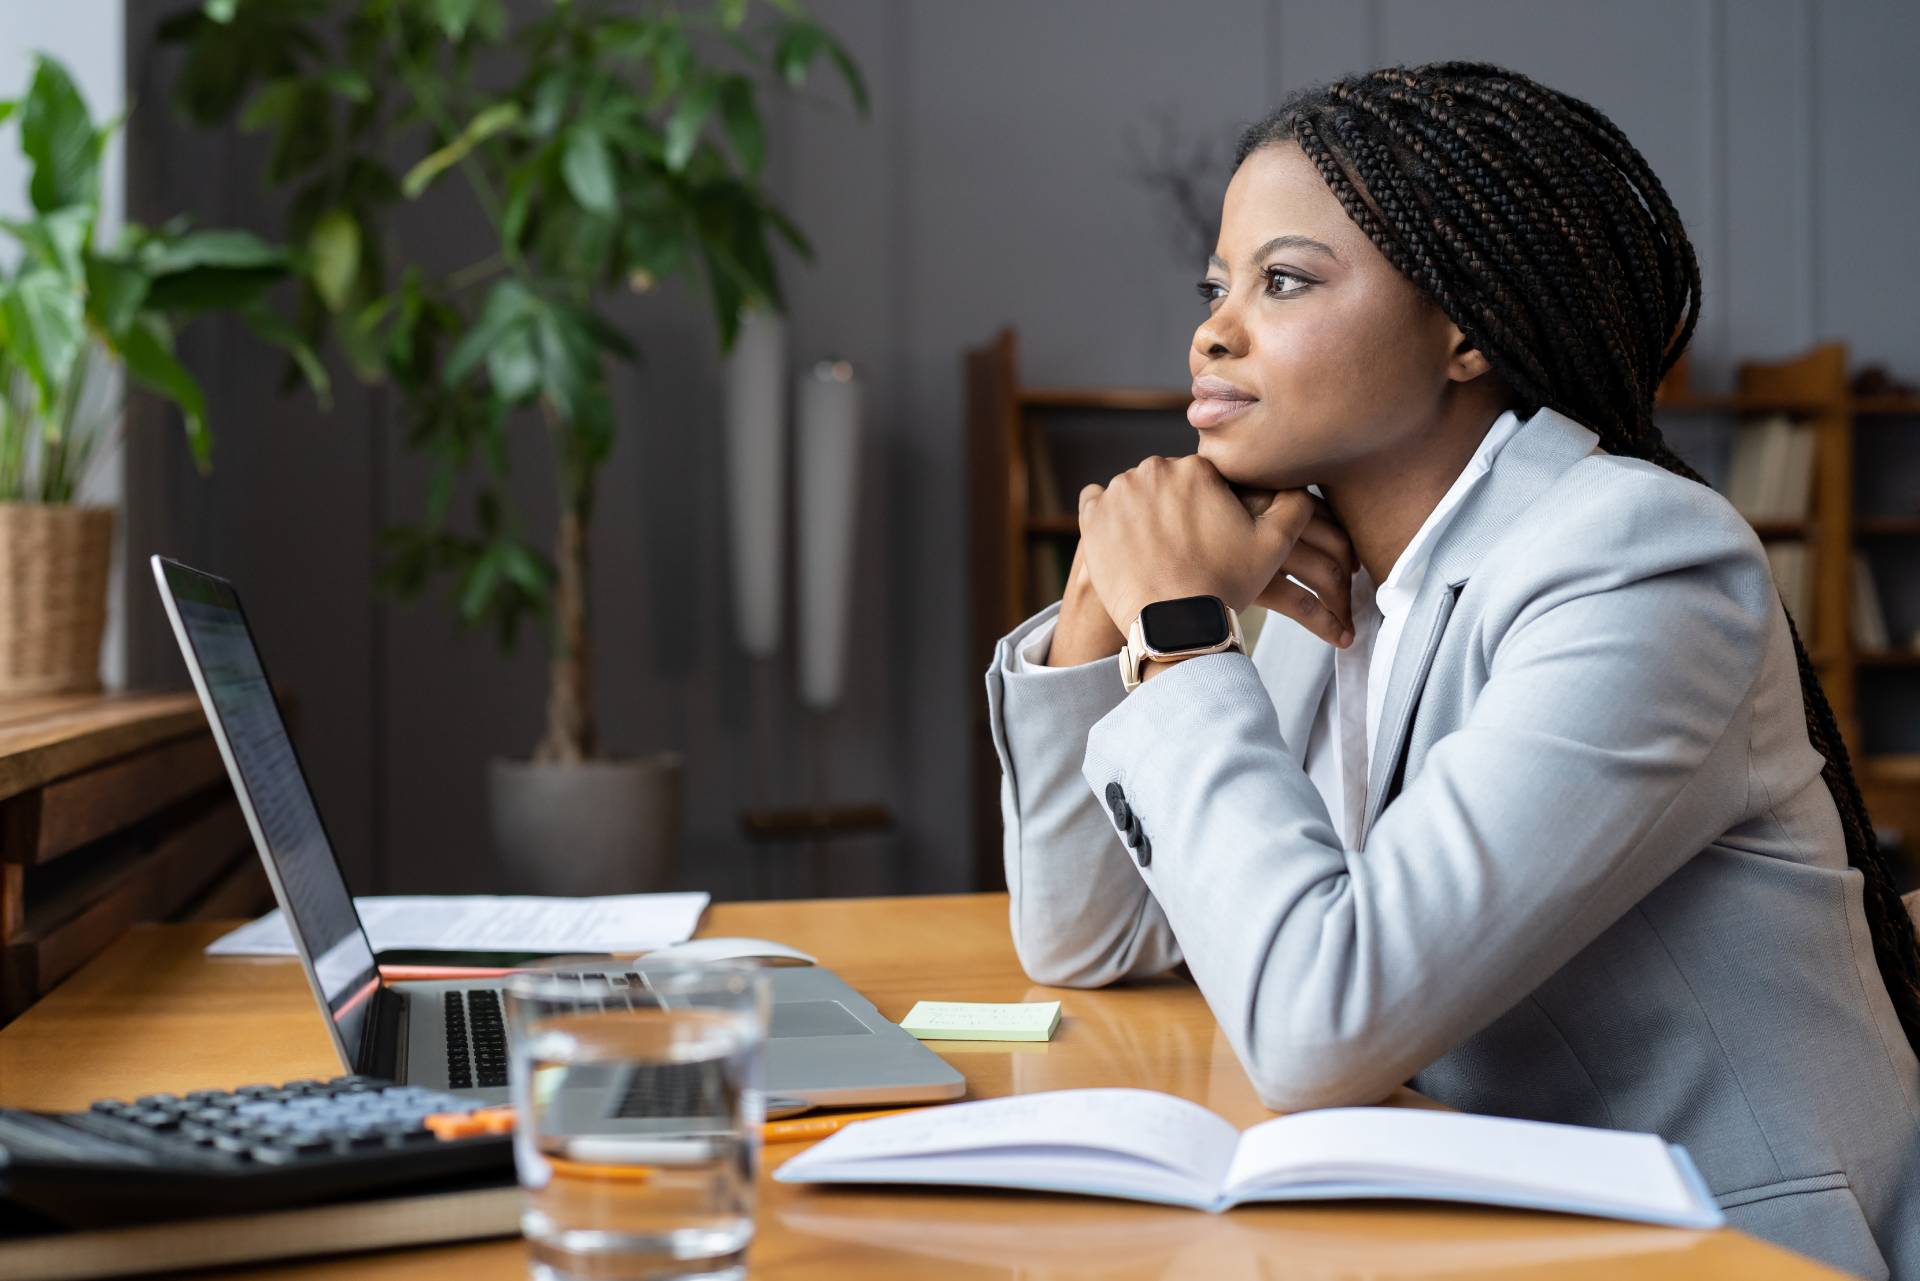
[[1352, 703], [1354, 695]]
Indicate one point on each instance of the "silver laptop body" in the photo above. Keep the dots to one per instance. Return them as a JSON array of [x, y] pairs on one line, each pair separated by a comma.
[[827, 1044]]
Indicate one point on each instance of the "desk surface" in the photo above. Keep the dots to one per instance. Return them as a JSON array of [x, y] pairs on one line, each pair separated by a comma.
[[153, 1014]]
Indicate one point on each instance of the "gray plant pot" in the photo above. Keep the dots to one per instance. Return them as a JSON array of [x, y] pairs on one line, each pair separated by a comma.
[[599, 827]]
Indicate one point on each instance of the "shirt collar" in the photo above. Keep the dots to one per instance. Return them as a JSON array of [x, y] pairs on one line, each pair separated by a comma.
[[1403, 580]]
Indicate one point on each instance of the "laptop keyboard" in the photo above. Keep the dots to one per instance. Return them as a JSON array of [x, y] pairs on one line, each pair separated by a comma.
[[477, 1031]]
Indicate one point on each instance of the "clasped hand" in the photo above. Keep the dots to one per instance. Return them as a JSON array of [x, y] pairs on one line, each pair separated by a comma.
[[1173, 527]]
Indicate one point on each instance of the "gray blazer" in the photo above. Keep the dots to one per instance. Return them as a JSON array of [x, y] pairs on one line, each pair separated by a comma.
[[1610, 887]]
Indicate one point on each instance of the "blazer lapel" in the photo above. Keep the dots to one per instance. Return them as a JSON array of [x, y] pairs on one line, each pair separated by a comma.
[[1526, 465]]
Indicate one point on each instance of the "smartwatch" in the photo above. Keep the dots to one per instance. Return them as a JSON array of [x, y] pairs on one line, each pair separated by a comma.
[[1170, 630]]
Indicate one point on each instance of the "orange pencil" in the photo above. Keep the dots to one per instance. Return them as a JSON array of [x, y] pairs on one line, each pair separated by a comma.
[[818, 1127], [499, 1120]]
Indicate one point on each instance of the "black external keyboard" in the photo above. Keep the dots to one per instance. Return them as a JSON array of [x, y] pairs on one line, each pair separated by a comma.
[[255, 1148]]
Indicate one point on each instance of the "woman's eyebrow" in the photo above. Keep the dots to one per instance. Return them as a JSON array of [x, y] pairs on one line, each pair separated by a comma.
[[1278, 242]]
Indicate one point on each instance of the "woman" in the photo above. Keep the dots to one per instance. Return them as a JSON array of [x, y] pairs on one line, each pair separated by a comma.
[[1533, 801]]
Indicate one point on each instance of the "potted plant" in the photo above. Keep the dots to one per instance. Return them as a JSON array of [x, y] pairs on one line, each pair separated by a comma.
[[608, 147], [71, 310]]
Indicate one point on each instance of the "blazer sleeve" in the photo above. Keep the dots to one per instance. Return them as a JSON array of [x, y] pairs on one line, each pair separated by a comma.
[[1080, 917], [1550, 811]]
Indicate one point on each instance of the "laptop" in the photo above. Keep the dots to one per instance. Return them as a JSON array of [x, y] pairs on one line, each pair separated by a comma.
[[826, 1043]]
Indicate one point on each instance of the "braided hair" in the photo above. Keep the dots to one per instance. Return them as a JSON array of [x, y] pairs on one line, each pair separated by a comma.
[[1547, 239]]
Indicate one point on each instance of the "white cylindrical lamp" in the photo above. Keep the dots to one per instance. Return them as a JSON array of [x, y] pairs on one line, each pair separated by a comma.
[[827, 449], [756, 438]]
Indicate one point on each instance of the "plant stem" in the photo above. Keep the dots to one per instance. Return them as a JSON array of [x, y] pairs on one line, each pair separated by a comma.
[[570, 731], [475, 272], [571, 736]]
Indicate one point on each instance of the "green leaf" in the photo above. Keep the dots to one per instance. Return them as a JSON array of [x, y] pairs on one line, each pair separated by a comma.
[[273, 327], [148, 351], [522, 186], [742, 123], [7, 106], [453, 16], [347, 84], [271, 105], [221, 11], [58, 137], [732, 13], [334, 244], [794, 51], [512, 365], [500, 116], [57, 240], [800, 43], [683, 127], [115, 290], [508, 304], [230, 249], [477, 592], [550, 96], [587, 167], [42, 325], [849, 72]]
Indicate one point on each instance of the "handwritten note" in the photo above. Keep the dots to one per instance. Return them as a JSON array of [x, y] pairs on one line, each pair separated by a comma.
[[980, 1021]]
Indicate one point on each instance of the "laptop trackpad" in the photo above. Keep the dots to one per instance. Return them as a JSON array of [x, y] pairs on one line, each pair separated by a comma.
[[815, 1018]]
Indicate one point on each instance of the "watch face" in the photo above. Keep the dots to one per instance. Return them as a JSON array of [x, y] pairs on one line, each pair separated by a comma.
[[1192, 622]]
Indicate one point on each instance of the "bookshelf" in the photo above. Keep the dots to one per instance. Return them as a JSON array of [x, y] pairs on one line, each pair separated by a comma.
[[1021, 531]]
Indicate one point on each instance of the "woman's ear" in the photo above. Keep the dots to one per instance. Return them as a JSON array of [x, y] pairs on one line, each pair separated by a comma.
[[1467, 361]]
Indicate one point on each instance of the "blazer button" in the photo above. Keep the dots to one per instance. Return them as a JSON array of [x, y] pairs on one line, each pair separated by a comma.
[[1134, 834], [1116, 800], [1143, 852]]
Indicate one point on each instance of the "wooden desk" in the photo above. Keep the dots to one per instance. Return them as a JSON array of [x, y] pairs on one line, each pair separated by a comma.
[[153, 1014]]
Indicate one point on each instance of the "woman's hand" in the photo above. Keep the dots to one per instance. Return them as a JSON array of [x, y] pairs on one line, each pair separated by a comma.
[[1173, 527], [1083, 631], [1322, 558]]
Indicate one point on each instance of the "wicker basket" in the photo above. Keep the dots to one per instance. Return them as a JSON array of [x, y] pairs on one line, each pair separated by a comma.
[[53, 596]]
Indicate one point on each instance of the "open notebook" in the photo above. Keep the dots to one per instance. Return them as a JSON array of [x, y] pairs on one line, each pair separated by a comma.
[[1149, 1146]]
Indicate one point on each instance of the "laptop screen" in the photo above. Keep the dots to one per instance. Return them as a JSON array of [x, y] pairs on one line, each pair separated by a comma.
[[233, 687]]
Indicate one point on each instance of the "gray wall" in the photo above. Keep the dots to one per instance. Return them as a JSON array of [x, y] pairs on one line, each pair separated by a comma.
[[993, 184]]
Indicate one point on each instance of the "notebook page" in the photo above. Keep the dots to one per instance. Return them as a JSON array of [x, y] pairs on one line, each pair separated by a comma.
[[1146, 1124], [1460, 1152], [480, 922]]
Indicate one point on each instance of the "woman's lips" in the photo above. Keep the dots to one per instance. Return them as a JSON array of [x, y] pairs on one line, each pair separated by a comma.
[[1211, 411]]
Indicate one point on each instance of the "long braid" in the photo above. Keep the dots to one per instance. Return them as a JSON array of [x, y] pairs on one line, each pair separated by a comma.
[[1546, 237]]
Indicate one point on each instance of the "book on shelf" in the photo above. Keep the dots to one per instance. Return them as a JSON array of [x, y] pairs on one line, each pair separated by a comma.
[[411, 1218], [1869, 619], [1771, 477], [1143, 1145]]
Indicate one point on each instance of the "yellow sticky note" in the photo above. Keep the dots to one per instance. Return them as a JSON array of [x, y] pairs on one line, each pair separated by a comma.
[[983, 1021]]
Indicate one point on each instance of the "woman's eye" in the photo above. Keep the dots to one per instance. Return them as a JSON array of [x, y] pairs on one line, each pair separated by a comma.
[[1212, 290], [1275, 272]]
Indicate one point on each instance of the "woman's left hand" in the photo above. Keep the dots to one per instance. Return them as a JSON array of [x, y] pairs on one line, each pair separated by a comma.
[[1172, 527]]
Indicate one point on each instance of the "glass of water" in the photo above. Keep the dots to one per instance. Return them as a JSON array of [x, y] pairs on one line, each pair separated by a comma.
[[639, 1100]]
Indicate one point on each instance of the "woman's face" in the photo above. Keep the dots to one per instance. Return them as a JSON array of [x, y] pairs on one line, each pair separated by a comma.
[[1345, 360]]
